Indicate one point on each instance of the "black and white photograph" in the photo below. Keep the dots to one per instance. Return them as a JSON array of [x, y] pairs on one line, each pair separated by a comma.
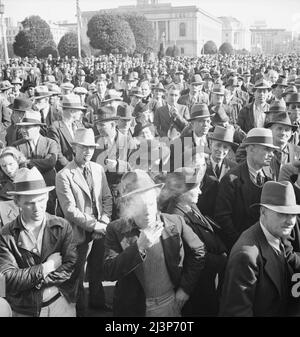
[[149, 161]]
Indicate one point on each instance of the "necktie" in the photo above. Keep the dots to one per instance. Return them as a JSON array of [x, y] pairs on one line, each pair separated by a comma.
[[88, 177], [218, 170], [259, 179]]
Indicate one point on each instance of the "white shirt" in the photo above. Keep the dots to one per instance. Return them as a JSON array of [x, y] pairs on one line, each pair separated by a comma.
[[259, 115], [272, 241], [214, 164]]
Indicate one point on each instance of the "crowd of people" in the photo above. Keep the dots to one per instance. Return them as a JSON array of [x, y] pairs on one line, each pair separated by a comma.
[[178, 178]]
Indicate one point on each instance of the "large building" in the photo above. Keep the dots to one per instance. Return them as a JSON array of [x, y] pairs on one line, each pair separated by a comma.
[[187, 27], [235, 33], [12, 29], [59, 29]]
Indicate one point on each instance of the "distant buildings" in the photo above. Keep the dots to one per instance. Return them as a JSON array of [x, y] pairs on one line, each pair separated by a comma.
[[12, 29], [59, 29], [187, 27]]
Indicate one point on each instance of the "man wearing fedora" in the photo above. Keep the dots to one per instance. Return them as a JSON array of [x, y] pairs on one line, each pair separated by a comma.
[[63, 131], [172, 114], [242, 186], [40, 151], [278, 90], [95, 101], [144, 253], [253, 115], [258, 275], [17, 85], [125, 122], [217, 165], [37, 253], [86, 202]]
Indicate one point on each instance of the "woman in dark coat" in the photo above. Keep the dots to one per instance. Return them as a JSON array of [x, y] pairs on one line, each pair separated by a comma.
[[183, 186]]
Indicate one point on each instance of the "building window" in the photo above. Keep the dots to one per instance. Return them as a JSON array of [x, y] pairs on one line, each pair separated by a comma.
[[182, 51], [182, 29], [226, 34]]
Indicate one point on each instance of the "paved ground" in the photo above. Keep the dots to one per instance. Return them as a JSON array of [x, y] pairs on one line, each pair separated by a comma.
[[108, 289]]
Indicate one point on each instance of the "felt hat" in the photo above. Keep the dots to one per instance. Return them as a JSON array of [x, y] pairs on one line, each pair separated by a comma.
[[281, 118], [225, 135], [72, 101], [21, 104], [260, 136], [31, 117], [106, 114], [199, 111], [85, 137]]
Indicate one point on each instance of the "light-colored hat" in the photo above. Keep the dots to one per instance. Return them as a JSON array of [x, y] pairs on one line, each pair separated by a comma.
[[80, 91], [136, 181], [85, 137], [72, 101], [29, 182], [261, 84], [41, 92], [260, 136], [31, 117], [5, 85], [279, 197], [67, 86]]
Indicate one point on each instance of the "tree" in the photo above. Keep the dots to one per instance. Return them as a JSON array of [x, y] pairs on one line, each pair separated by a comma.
[[68, 45], [143, 32], [34, 36], [169, 51], [44, 52], [210, 48], [110, 33], [226, 48]]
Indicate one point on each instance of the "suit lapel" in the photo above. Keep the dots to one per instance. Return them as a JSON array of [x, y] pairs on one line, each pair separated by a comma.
[[65, 132], [80, 181], [49, 241], [251, 116]]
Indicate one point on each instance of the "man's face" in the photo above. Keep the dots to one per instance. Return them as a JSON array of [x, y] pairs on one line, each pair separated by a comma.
[[30, 92], [278, 91], [261, 155], [273, 77], [83, 154], [195, 88], [16, 87], [208, 84], [219, 150], [217, 99], [294, 112], [145, 89], [101, 87], [173, 96], [30, 131], [124, 124], [281, 134], [201, 126], [278, 224], [33, 207], [143, 208], [106, 129], [261, 96]]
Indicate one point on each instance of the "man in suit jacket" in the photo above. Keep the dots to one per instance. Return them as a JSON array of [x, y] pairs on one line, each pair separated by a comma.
[[242, 186], [172, 115], [144, 252], [257, 278], [253, 115], [63, 131], [95, 101], [86, 202], [217, 165]]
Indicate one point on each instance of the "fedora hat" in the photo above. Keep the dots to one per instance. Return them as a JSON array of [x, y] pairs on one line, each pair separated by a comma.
[[276, 107], [136, 181], [81, 72], [72, 101], [293, 98], [85, 137], [31, 117], [112, 95], [220, 115], [261, 84], [297, 82], [125, 112], [281, 81], [80, 91], [219, 90], [260, 136], [141, 126], [196, 79], [50, 79], [279, 197], [29, 182], [199, 111], [41, 92], [247, 74], [106, 114], [67, 86], [17, 80], [159, 87], [5, 85], [289, 90], [136, 91], [207, 76], [281, 118], [131, 78], [21, 104], [232, 82], [224, 135], [53, 89]]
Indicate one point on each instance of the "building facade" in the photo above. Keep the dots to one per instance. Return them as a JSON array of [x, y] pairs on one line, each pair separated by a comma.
[[58, 30], [187, 27], [235, 33], [12, 29]]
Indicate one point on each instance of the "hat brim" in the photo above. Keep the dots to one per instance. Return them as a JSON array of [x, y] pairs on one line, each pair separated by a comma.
[[30, 123], [218, 93], [140, 190], [32, 192], [41, 97], [199, 117], [106, 119], [262, 144], [255, 88], [197, 82], [294, 127], [74, 108], [276, 84], [280, 209], [112, 99], [7, 88], [232, 144], [97, 146]]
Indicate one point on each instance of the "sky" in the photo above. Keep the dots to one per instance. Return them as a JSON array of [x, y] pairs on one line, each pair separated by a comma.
[[276, 13]]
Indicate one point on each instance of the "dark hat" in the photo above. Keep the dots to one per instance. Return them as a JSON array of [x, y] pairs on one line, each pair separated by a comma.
[[5, 85], [224, 135], [207, 77], [136, 181], [293, 98], [281, 118], [196, 79], [279, 197], [21, 104], [106, 114], [232, 82], [139, 108], [281, 81], [17, 80], [112, 95], [277, 106], [200, 111], [179, 72], [289, 90], [141, 126], [261, 84], [220, 115], [136, 91], [125, 112], [218, 90]]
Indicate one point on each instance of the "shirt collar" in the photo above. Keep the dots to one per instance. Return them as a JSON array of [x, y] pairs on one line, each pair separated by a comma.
[[273, 242], [252, 170], [214, 164]]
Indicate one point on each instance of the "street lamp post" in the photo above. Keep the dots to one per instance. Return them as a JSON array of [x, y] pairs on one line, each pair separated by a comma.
[[3, 33]]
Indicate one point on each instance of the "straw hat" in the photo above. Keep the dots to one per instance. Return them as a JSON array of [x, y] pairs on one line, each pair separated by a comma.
[[31, 117], [260, 136], [72, 101]]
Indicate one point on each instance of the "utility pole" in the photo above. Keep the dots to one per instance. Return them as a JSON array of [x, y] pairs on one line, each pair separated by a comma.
[[79, 25], [3, 33]]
